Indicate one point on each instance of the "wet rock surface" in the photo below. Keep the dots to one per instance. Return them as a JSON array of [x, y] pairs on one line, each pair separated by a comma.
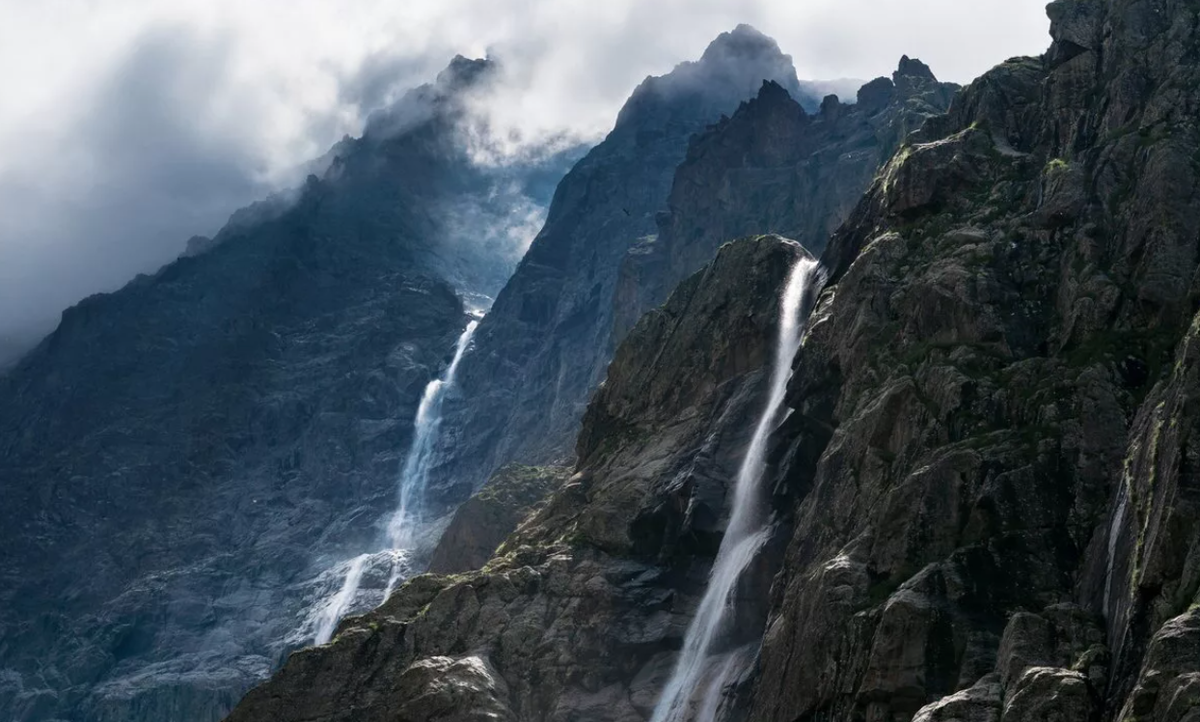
[[985, 504], [1001, 525], [984, 498]]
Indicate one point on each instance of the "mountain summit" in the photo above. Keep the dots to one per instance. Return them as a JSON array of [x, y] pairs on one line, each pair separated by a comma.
[[731, 70]]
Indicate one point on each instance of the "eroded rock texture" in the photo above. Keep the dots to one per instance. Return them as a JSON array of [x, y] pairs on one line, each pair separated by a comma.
[[485, 520], [986, 505]]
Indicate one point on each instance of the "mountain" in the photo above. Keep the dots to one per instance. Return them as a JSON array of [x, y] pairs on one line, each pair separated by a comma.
[[546, 343], [181, 459], [981, 503], [773, 168]]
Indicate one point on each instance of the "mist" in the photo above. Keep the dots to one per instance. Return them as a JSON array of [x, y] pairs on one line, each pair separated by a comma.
[[125, 130]]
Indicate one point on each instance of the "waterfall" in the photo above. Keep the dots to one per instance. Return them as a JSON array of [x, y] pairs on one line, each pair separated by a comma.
[[333, 610], [415, 477], [400, 530], [744, 535], [1114, 534]]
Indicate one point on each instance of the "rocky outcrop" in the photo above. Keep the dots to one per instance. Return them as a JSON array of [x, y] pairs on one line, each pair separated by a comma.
[[578, 612], [774, 168], [485, 520], [1002, 524], [545, 345], [179, 458]]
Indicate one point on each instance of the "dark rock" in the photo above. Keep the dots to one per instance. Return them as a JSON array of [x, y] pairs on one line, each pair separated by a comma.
[[485, 520], [1000, 522], [876, 95], [1045, 693], [912, 70]]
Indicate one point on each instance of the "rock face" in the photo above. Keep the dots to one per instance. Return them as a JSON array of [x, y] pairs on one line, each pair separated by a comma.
[[577, 614], [179, 457], [1003, 524], [773, 168], [485, 520], [545, 345]]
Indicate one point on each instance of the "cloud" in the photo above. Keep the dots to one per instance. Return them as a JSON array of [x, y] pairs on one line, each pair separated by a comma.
[[127, 127], [105, 190]]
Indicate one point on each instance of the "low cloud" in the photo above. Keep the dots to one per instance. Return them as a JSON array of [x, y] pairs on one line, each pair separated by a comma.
[[154, 152], [127, 128]]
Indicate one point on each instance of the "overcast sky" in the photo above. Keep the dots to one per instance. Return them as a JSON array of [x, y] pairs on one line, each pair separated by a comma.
[[127, 126]]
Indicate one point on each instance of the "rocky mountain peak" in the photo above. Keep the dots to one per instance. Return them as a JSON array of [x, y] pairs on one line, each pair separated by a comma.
[[1075, 27], [744, 57], [772, 93], [744, 42], [912, 68], [911, 78], [831, 107], [464, 72], [876, 94], [442, 98], [912, 75], [732, 68]]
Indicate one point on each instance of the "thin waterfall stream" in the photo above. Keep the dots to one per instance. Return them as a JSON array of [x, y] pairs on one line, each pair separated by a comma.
[[401, 526], [745, 534]]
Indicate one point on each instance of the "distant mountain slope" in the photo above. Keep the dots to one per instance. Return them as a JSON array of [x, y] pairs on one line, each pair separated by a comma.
[[179, 456]]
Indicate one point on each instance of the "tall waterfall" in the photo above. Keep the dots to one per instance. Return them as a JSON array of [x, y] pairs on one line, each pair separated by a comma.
[[415, 477], [744, 535], [399, 536]]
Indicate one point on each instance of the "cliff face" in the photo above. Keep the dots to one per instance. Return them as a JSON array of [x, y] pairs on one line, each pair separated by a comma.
[[545, 344], [1004, 522], [578, 613], [774, 168], [179, 458]]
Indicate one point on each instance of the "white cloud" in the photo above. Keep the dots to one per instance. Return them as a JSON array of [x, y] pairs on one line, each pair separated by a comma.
[[127, 126]]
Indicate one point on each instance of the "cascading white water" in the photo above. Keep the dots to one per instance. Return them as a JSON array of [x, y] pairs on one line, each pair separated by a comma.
[[744, 535], [415, 478], [333, 610], [1114, 533], [401, 526]]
